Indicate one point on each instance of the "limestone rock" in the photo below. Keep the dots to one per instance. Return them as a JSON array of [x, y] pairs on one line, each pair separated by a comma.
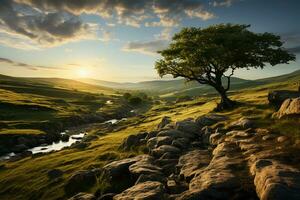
[[188, 126], [144, 166], [289, 108], [150, 190], [243, 123], [83, 196], [129, 142], [193, 161], [117, 168], [275, 181], [158, 141], [174, 134], [165, 149], [210, 119]]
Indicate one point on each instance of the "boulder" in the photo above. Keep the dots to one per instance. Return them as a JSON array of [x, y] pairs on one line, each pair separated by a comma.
[[164, 121], [80, 181], [120, 167], [158, 141], [145, 166], [242, 123], [129, 142], [188, 126], [275, 181], [210, 119], [181, 143], [165, 149], [289, 108], [193, 161], [150, 190], [174, 134], [279, 96], [83, 196], [151, 135]]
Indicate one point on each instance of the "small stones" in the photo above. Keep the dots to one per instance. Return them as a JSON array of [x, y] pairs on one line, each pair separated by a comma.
[[282, 139]]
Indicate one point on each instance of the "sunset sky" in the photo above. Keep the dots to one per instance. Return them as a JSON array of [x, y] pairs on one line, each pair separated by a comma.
[[116, 40]]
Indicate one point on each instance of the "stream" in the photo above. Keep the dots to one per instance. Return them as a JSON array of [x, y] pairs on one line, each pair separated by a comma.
[[57, 146]]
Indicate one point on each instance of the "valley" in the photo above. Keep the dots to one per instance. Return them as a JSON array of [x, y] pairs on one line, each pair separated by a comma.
[[102, 143]]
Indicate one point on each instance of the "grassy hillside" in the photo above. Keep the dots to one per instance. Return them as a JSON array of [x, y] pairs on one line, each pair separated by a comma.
[[171, 89], [30, 174], [35, 105], [160, 87]]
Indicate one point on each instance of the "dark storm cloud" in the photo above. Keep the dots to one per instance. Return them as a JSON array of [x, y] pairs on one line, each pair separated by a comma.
[[130, 12], [46, 29], [7, 61]]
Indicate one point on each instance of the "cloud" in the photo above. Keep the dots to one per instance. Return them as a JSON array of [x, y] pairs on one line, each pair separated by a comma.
[[223, 3], [27, 66], [45, 29], [130, 12], [148, 48]]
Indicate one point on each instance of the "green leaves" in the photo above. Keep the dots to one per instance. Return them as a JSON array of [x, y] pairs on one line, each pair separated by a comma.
[[206, 54]]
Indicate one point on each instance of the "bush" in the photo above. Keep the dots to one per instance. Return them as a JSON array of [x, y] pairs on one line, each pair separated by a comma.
[[135, 100], [127, 95]]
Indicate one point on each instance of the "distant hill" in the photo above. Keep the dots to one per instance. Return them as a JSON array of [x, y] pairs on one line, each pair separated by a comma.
[[158, 87], [19, 83], [179, 87]]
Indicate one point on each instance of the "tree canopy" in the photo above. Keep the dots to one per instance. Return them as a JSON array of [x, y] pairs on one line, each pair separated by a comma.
[[206, 55]]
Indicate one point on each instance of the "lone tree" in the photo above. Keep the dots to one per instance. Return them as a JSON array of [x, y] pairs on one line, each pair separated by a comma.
[[214, 53]]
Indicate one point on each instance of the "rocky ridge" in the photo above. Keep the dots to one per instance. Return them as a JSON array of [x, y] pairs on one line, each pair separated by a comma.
[[190, 159]]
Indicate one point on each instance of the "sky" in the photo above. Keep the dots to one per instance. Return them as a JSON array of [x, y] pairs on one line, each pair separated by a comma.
[[117, 40]]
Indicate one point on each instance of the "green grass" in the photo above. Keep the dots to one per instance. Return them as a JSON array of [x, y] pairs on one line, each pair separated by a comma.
[[21, 132], [27, 178]]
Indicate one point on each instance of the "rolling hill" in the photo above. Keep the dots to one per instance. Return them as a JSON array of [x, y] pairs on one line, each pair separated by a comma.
[[179, 87]]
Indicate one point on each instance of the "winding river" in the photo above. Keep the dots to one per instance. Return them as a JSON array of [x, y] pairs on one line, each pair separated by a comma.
[[57, 146]]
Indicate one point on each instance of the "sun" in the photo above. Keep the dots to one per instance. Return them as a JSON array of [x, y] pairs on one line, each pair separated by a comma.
[[83, 73]]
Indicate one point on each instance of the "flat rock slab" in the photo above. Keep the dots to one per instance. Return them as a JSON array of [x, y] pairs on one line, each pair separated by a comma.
[[193, 161], [276, 181], [150, 190], [165, 149], [145, 166]]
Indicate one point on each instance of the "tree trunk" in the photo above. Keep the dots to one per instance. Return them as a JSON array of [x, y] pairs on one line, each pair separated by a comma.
[[225, 102]]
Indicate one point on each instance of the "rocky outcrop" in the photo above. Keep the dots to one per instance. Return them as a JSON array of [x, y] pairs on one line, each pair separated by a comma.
[[275, 181], [191, 160], [289, 108]]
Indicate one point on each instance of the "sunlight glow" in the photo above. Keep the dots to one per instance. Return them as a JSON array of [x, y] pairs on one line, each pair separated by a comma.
[[83, 73]]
